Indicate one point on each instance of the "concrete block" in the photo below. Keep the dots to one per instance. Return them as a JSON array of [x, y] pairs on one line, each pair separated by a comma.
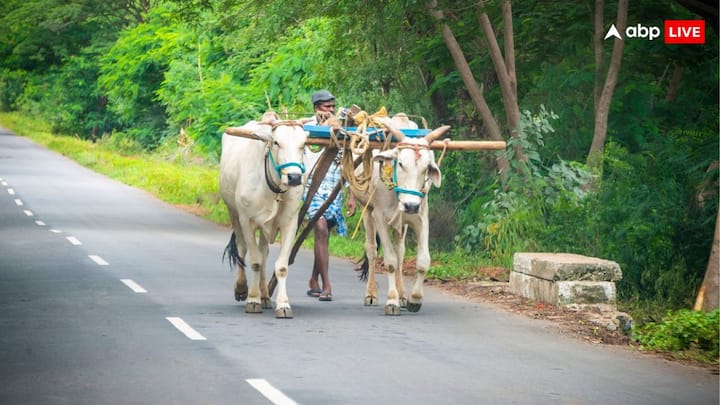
[[566, 267], [569, 280], [586, 292]]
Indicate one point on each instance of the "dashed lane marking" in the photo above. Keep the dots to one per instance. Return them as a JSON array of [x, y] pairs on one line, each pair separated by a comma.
[[40, 223], [29, 213], [19, 202], [273, 394], [186, 329], [11, 191], [74, 240], [99, 260], [133, 286]]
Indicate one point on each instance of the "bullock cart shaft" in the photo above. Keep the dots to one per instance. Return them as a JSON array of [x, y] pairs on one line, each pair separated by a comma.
[[437, 145], [448, 145]]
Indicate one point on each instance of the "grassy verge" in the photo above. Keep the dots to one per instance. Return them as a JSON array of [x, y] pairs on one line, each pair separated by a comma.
[[190, 186]]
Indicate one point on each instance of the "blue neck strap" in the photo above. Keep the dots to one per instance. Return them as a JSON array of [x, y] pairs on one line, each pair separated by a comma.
[[278, 168], [399, 190]]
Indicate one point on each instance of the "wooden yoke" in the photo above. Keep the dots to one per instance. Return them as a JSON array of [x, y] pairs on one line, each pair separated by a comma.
[[446, 144]]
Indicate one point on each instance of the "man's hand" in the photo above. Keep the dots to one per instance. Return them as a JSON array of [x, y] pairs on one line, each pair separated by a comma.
[[323, 116], [351, 206]]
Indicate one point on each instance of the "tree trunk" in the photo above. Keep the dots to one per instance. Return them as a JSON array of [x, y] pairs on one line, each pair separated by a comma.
[[595, 156], [597, 46], [674, 83], [708, 298], [509, 45], [505, 77], [469, 80]]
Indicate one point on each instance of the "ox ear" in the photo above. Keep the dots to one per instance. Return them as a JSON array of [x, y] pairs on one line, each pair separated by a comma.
[[434, 174], [386, 155], [263, 132]]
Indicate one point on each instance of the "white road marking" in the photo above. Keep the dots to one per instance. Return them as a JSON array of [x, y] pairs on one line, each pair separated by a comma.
[[133, 286], [4, 183], [19, 202], [273, 394], [11, 191], [99, 260], [186, 329], [55, 231], [74, 240], [29, 213], [40, 223]]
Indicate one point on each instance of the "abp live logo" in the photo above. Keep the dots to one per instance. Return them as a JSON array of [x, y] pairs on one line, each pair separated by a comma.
[[676, 32], [684, 31]]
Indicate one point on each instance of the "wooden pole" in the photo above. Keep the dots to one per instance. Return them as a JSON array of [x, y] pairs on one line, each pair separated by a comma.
[[436, 145]]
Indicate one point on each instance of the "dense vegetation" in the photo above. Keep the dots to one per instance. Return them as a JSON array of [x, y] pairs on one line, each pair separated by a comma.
[[133, 73]]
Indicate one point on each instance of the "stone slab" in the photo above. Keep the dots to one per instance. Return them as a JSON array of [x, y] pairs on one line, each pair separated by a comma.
[[566, 267], [586, 292], [573, 294]]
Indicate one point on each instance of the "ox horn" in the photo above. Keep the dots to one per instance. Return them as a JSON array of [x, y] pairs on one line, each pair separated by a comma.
[[436, 133], [269, 118], [387, 122], [241, 132]]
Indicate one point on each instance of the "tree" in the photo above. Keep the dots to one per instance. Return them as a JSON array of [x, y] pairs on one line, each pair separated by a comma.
[[504, 68], [708, 298], [602, 108]]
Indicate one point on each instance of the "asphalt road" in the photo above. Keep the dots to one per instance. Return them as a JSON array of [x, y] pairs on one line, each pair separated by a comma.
[[109, 296]]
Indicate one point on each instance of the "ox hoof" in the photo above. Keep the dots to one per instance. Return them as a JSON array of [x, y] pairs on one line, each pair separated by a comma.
[[284, 313], [392, 310], [253, 308], [241, 293], [414, 306], [266, 304], [370, 300], [403, 302]]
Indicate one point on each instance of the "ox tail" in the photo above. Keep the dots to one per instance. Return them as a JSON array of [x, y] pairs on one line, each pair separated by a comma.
[[364, 268], [365, 263], [231, 251]]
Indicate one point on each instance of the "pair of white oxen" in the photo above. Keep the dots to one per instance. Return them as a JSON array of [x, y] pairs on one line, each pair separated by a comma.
[[261, 178]]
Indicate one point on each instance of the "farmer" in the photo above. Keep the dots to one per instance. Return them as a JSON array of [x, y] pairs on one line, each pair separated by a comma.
[[324, 108]]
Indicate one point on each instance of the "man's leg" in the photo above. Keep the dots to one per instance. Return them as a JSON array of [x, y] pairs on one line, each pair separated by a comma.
[[322, 255]]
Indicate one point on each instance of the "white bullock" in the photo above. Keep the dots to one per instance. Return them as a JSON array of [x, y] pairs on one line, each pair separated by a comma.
[[261, 183], [398, 196]]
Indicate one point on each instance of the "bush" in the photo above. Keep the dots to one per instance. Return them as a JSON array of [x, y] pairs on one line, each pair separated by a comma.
[[683, 330]]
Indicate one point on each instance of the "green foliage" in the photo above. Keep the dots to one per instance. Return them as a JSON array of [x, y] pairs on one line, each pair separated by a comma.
[[515, 218], [12, 84], [646, 223], [131, 73], [683, 331]]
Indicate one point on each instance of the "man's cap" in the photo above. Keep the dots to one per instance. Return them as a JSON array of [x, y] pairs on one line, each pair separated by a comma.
[[322, 95]]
